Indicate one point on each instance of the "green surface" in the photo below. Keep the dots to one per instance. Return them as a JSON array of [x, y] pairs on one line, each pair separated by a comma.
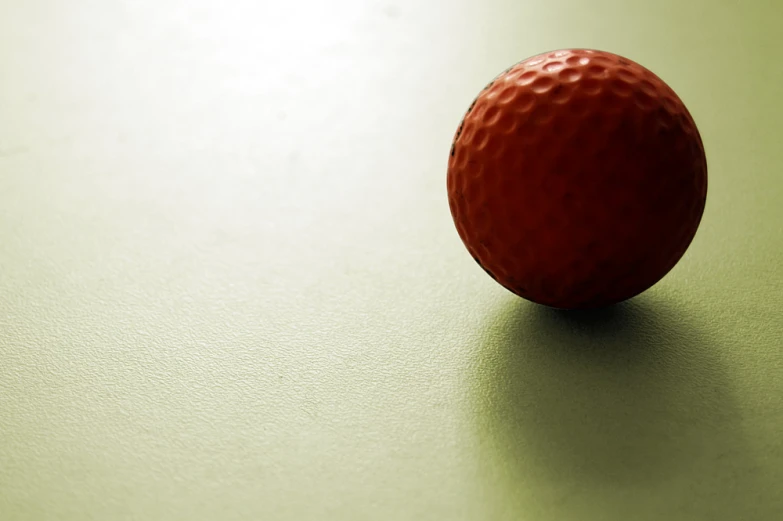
[[230, 287]]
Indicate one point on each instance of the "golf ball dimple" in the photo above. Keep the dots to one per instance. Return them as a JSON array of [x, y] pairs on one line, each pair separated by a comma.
[[577, 179]]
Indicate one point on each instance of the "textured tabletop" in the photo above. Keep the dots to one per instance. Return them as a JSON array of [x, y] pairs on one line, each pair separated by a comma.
[[231, 288]]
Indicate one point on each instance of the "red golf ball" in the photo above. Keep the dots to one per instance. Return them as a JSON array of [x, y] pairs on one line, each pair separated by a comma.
[[577, 179]]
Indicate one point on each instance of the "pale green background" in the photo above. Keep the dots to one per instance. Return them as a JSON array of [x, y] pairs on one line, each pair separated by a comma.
[[230, 287]]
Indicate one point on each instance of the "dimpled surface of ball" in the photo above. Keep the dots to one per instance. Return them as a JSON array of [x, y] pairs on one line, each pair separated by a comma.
[[577, 179]]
